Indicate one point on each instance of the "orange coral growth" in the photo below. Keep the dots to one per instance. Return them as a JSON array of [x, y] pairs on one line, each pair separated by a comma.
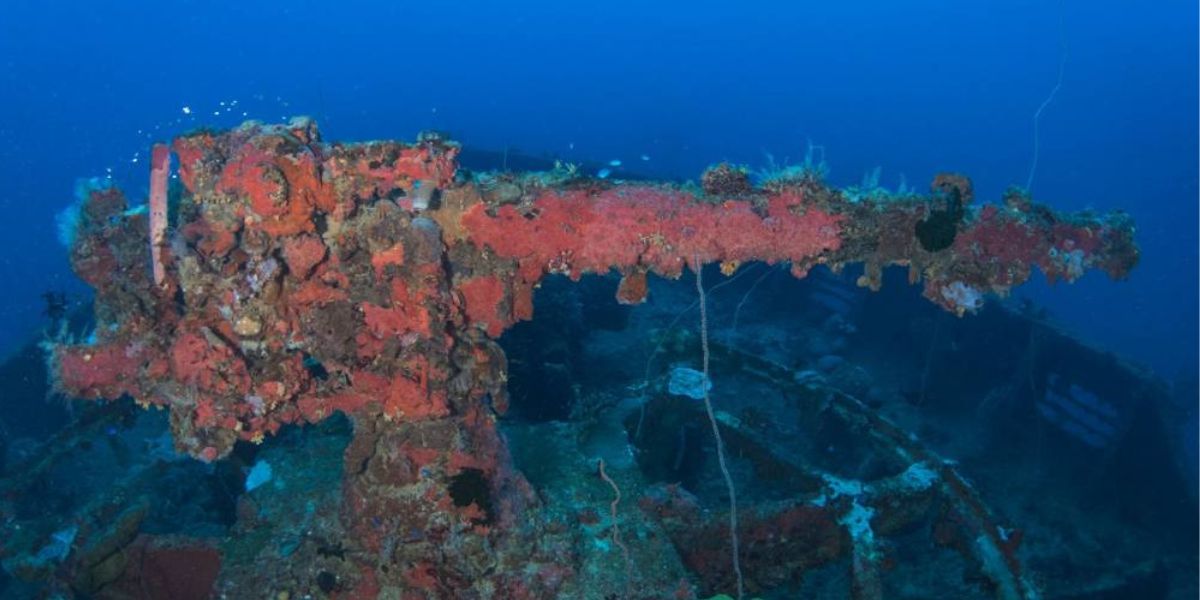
[[414, 399], [282, 191], [575, 232], [212, 239], [208, 367], [303, 253], [484, 302], [632, 289], [386, 322], [104, 371], [315, 293], [391, 256]]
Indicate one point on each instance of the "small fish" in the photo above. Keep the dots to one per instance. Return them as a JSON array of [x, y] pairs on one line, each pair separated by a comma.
[[604, 173], [187, 110], [645, 157], [616, 162]]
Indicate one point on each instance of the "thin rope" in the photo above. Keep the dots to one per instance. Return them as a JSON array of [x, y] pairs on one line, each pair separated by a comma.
[[1062, 66], [712, 419]]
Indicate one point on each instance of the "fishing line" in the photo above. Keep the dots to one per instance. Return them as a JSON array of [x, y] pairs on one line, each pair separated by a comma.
[[1062, 66], [1037, 115]]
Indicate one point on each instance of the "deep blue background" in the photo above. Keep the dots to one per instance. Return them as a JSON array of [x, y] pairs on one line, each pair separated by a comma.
[[916, 87]]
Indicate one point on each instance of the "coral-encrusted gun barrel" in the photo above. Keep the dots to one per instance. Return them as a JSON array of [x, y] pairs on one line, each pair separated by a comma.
[[305, 277]]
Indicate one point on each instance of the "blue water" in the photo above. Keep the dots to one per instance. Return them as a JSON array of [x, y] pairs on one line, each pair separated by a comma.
[[913, 87], [666, 88]]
